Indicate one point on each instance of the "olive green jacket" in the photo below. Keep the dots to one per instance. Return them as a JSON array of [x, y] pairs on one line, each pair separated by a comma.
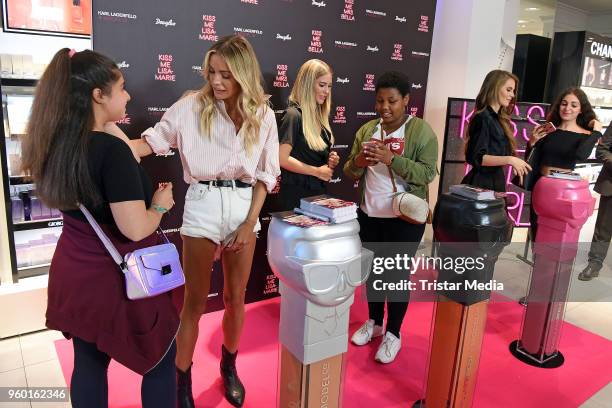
[[417, 166]]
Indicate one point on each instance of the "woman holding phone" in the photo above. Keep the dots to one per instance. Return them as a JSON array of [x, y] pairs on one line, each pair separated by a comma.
[[307, 163], [570, 137], [490, 142]]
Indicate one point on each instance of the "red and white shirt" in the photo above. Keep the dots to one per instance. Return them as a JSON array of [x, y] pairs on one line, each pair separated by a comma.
[[220, 155], [377, 197]]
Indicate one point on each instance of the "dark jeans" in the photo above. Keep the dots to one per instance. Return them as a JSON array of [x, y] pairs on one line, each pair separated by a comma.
[[389, 230], [89, 383], [602, 234]]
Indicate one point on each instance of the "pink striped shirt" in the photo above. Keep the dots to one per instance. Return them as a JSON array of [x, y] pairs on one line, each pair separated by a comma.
[[222, 155]]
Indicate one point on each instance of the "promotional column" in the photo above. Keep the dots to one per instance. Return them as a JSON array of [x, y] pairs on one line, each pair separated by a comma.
[[563, 206], [319, 268], [476, 228]]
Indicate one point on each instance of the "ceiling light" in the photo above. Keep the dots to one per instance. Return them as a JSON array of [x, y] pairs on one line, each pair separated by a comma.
[[522, 21], [532, 9]]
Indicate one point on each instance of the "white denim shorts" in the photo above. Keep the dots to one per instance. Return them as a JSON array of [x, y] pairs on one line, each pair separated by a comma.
[[215, 212]]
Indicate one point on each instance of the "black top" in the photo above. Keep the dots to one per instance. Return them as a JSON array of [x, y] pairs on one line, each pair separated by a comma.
[[291, 132], [486, 136], [564, 149], [117, 176]]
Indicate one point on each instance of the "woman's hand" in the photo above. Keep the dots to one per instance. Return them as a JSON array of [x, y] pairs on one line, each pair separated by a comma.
[[163, 196], [537, 134], [333, 160], [238, 239], [596, 125], [519, 167], [379, 153], [324, 173]]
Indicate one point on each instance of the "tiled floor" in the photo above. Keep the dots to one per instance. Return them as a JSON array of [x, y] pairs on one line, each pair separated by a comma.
[[30, 360]]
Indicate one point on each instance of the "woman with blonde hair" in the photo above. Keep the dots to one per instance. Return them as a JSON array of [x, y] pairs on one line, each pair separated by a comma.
[[306, 137], [490, 141], [228, 142]]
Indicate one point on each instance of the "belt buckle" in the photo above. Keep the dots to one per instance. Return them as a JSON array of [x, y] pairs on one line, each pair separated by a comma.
[[214, 183]]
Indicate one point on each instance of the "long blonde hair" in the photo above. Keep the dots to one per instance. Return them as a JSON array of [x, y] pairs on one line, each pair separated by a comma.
[[488, 95], [315, 117], [242, 63]]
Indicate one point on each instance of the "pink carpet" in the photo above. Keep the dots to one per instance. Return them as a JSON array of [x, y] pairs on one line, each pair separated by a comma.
[[502, 380]]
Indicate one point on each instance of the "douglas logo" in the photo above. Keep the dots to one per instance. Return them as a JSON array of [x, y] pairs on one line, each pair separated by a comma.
[[165, 23], [208, 31], [372, 48], [319, 3], [250, 1], [417, 86], [122, 65], [342, 80], [400, 19], [285, 37], [348, 13]]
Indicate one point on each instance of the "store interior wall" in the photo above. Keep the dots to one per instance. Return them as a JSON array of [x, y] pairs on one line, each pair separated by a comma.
[[41, 47], [570, 18], [466, 45]]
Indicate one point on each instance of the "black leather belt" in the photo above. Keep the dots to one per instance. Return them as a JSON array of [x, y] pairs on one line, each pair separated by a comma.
[[226, 183]]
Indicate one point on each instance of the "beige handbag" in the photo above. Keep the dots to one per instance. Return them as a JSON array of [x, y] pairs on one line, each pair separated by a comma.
[[407, 206]]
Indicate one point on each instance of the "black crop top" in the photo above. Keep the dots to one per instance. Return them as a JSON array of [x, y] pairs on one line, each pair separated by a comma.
[[563, 148]]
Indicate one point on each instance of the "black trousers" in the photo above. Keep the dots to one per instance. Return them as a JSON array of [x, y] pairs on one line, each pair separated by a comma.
[[89, 383], [602, 234], [382, 233]]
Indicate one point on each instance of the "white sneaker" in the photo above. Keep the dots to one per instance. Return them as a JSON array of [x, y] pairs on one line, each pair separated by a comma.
[[388, 349], [366, 332]]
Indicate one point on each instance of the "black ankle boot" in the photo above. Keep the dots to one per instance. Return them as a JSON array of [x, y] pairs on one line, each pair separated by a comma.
[[234, 390], [184, 395], [590, 272]]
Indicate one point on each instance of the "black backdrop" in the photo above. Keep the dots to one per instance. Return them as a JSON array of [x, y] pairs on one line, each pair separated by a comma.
[[160, 45]]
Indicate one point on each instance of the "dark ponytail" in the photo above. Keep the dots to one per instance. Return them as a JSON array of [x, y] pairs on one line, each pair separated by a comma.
[[55, 148]]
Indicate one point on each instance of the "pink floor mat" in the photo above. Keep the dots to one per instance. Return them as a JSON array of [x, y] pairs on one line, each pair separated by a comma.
[[502, 380]]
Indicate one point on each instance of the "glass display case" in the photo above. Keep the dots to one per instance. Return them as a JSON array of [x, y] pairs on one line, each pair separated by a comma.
[[33, 229]]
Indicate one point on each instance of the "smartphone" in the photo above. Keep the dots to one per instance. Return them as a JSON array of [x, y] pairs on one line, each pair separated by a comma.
[[548, 127]]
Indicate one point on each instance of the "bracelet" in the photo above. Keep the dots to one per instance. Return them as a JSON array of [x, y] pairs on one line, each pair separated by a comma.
[[159, 208]]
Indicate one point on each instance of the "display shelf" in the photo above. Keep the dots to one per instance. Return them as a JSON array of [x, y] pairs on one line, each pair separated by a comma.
[[18, 82], [30, 267], [18, 180], [38, 224]]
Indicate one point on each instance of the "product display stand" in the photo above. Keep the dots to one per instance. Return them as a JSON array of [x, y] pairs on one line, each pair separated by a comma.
[[563, 206], [463, 227], [318, 269]]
